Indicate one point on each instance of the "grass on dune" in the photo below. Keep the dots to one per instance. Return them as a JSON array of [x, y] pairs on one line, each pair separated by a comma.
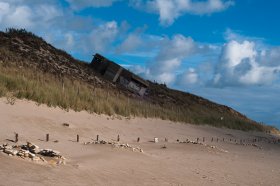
[[77, 95]]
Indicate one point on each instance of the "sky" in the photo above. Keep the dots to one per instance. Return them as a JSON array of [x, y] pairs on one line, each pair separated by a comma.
[[227, 51]]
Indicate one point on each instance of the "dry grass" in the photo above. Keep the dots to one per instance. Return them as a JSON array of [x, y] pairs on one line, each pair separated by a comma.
[[77, 95]]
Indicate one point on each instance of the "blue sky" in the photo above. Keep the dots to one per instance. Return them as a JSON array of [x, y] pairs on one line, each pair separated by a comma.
[[225, 50]]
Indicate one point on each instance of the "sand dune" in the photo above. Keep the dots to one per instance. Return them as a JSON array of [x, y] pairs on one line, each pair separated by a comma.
[[225, 163]]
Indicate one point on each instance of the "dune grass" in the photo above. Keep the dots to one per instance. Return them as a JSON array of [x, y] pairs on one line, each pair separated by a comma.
[[68, 94]]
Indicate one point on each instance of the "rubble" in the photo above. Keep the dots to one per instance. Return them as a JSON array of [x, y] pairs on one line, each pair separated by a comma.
[[199, 143], [32, 152], [189, 141], [117, 145], [250, 144]]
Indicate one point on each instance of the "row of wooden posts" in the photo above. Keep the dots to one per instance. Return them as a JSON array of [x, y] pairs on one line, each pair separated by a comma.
[[166, 140]]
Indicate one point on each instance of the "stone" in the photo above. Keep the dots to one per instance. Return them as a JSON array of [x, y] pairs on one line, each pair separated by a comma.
[[66, 124], [31, 155], [35, 158], [156, 140], [32, 148], [11, 152], [29, 152], [50, 153]]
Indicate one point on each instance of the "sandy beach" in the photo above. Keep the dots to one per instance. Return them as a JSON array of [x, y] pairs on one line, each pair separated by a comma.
[[219, 162]]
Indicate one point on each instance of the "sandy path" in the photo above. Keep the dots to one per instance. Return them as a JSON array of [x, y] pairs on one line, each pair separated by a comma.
[[178, 164]]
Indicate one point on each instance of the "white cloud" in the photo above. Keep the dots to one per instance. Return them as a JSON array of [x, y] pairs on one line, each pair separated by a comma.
[[235, 52], [47, 12], [166, 77], [189, 77], [171, 53], [242, 64], [15, 16], [131, 43], [170, 10], [270, 57], [4, 9], [102, 37], [30, 15], [81, 4], [168, 59], [69, 40]]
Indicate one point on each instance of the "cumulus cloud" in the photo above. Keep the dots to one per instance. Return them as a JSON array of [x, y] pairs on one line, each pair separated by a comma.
[[60, 26], [20, 14], [15, 16], [189, 77], [171, 52], [81, 4], [102, 37], [242, 64], [134, 42], [169, 10], [270, 57]]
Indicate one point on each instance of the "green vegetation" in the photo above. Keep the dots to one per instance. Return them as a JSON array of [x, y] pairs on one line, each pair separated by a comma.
[[77, 95]]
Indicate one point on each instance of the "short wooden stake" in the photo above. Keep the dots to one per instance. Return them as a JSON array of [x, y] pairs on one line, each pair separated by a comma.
[[217, 139], [47, 137], [212, 139], [118, 139], [197, 139], [138, 139], [166, 140], [97, 138], [16, 137], [203, 139], [78, 138]]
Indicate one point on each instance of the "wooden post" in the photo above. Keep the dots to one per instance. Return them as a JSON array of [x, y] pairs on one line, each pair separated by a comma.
[[203, 139], [166, 140], [78, 138], [118, 138], [138, 139], [197, 139], [16, 137], [217, 139], [223, 139], [97, 138], [212, 139], [47, 137]]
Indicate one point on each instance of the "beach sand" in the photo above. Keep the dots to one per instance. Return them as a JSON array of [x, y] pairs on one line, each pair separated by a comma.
[[225, 163]]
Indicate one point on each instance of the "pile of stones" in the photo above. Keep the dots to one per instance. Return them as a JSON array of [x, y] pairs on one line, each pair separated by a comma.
[[250, 144], [116, 145], [33, 152], [127, 146], [199, 143], [189, 141]]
